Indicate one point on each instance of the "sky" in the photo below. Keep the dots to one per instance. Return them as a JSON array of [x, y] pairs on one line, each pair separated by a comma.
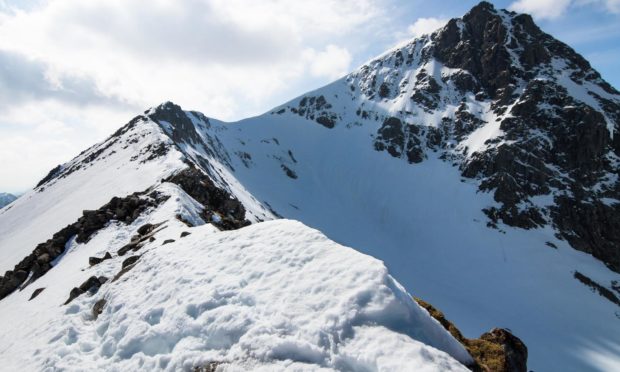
[[73, 71]]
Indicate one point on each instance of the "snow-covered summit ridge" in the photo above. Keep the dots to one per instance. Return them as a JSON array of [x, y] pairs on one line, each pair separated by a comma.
[[273, 296], [472, 123]]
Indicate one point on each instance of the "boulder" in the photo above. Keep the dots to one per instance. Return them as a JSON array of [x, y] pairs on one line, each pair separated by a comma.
[[130, 261], [98, 308], [92, 261], [35, 293]]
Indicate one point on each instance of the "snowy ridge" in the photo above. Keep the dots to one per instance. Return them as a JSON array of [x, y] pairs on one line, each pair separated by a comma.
[[116, 167], [259, 298], [479, 163]]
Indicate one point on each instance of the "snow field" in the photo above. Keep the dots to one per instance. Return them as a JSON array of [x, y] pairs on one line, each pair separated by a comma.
[[273, 296]]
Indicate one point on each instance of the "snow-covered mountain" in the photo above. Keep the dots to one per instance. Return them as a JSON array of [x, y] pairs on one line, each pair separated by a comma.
[[6, 199], [479, 163], [173, 278]]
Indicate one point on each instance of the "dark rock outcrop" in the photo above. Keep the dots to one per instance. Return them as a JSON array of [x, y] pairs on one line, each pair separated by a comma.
[[317, 109], [181, 128], [495, 351], [35, 265], [130, 261], [590, 226], [92, 261], [554, 144], [473, 48], [400, 140], [596, 287], [146, 229], [125, 209], [52, 174], [144, 235], [215, 200], [515, 351], [127, 265], [289, 172], [35, 293], [91, 285], [553, 159]]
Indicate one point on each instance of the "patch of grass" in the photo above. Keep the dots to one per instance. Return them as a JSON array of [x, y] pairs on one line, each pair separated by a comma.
[[488, 353]]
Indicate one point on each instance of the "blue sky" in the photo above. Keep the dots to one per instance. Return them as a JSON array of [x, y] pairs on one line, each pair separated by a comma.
[[72, 71], [591, 27]]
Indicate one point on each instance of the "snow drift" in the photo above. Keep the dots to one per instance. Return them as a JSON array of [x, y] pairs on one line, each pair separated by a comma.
[[273, 296]]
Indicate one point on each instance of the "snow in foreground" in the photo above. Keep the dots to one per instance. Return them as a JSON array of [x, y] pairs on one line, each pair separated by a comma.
[[275, 295]]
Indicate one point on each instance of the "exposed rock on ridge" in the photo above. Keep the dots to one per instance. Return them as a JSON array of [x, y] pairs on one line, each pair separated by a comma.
[[495, 351], [520, 112], [41, 260]]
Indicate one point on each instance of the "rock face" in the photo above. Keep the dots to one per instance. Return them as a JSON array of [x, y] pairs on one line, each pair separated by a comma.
[[495, 351], [601, 290], [515, 109], [92, 261], [514, 350], [317, 109], [221, 208], [91, 285], [182, 128]]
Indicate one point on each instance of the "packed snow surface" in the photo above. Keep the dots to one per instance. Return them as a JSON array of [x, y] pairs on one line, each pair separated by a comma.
[[272, 296]]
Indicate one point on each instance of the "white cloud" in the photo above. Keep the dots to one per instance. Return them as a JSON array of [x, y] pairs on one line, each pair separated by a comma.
[[39, 135], [612, 6], [424, 26], [203, 54], [553, 9], [92, 65], [333, 62], [541, 9]]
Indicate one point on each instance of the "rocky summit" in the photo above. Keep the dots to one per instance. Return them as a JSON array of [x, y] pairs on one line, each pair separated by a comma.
[[475, 167], [518, 111]]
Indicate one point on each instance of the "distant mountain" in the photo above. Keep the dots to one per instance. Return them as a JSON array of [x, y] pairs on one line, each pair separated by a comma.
[[479, 162], [6, 199]]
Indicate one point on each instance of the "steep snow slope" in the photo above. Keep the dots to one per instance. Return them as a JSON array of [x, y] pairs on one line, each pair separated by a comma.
[[508, 162], [123, 164], [426, 223], [273, 296]]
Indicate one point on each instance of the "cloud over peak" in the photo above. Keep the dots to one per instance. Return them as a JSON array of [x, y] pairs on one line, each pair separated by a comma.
[[553, 9], [424, 26]]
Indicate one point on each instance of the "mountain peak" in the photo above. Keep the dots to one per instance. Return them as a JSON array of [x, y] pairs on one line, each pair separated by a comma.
[[167, 106], [482, 7], [516, 109], [177, 124], [470, 160]]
